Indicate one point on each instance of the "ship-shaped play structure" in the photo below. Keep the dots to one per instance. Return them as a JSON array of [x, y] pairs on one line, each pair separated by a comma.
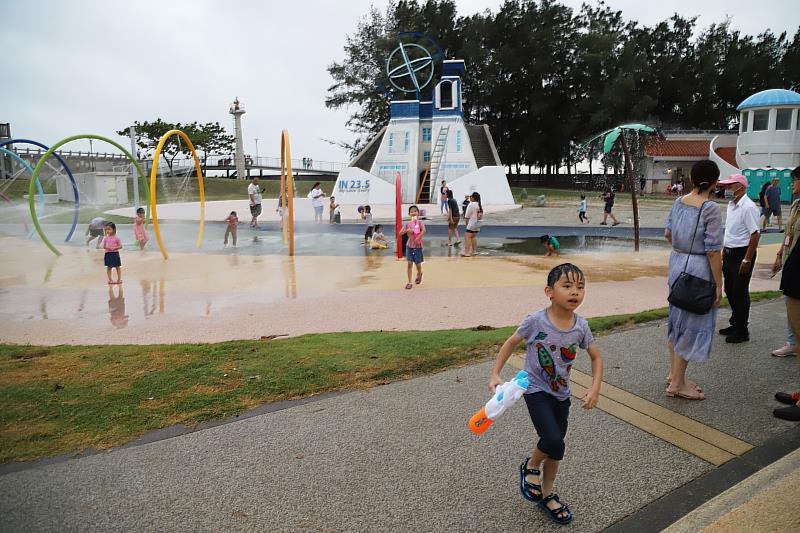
[[427, 142]]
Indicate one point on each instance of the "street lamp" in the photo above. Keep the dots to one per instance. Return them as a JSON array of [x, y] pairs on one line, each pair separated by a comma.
[[256, 150]]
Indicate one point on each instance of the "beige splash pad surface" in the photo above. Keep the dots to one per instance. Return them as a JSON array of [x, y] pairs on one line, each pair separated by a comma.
[[202, 297]]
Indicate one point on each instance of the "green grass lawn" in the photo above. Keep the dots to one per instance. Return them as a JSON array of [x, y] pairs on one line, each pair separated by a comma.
[[575, 195], [64, 398]]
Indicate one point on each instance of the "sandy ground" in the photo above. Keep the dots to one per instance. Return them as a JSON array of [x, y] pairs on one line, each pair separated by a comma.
[[214, 297]]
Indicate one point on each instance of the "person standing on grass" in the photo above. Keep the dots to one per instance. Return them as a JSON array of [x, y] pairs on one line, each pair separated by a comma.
[[694, 229], [473, 218], [773, 197], [414, 229], [112, 246], [254, 192], [317, 202], [453, 216], [739, 255], [553, 336], [608, 198], [788, 260]]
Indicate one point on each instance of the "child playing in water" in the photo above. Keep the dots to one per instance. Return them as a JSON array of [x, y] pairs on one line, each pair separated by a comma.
[[233, 221], [551, 245], [379, 240], [96, 229], [139, 230], [366, 216], [333, 207], [112, 246], [414, 230], [582, 210], [553, 336]]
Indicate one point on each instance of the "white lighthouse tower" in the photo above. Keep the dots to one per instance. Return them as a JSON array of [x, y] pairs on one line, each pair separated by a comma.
[[237, 110]]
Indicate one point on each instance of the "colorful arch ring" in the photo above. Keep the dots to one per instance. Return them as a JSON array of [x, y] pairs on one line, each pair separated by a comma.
[[287, 181], [52, 150], [30, 171], [35, 178], [154, 174]]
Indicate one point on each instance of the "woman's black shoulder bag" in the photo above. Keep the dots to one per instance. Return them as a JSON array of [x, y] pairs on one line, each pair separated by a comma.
[[689, 292]]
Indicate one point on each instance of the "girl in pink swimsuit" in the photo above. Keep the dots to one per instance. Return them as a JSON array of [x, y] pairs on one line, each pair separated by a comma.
[[139, 230]]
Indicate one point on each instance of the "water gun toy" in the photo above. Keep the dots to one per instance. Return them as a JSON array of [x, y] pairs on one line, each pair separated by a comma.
[[415, 225], [504, 397]]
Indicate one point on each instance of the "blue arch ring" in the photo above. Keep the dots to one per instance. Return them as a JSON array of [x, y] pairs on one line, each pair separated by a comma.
[[30, 171], [69, 173]]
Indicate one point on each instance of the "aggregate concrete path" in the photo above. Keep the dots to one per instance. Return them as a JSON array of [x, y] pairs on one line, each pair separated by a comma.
[[398, 458]]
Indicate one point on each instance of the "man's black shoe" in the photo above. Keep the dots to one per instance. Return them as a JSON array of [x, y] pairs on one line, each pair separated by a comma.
[[736, 338], [787, 397], [788, 413], [727, 331]]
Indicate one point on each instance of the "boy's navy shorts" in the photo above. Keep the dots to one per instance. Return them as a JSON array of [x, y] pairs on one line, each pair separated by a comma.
[[414, 255], [550, 416]]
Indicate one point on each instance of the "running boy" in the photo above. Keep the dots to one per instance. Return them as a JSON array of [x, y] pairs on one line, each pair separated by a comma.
[[414, 230], [553, 336], [582, 210]]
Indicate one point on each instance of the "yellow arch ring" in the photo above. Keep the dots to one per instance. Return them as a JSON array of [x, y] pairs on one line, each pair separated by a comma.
[[154, 173], [286, 190]]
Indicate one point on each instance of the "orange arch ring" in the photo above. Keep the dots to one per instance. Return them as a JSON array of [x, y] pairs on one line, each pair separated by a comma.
[[154, 173], [287, 192]]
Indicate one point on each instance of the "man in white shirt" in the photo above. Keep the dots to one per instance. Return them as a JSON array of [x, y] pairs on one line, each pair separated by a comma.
[[254, 191], [739, 255]]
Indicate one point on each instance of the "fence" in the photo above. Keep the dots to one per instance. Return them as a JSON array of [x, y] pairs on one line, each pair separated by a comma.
[[579, 182]]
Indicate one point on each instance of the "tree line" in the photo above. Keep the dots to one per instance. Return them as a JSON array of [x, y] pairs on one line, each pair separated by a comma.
[[545, 77]]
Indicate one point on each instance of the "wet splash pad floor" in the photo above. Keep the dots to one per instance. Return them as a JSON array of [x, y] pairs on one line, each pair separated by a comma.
[[333, 284]]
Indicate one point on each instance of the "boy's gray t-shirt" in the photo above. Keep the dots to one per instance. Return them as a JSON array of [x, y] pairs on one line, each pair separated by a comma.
[[551, 352]]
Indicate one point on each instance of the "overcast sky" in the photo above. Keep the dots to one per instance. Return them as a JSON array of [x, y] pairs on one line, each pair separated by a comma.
[[95, 66]]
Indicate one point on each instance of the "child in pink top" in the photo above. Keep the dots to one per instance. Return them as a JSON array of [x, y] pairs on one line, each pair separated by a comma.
[[414, 229], [112, 245], [139, 230]]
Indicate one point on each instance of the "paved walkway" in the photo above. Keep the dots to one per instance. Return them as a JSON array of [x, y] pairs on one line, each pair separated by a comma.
[[400, 457]]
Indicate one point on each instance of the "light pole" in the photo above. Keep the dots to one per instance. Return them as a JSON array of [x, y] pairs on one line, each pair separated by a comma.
[[91, 159], [256, 150]]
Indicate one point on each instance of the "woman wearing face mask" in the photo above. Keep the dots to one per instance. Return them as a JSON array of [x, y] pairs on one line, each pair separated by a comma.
[[788, 259]]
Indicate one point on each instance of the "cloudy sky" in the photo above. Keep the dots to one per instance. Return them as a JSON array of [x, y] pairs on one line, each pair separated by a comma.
[[95, 66]]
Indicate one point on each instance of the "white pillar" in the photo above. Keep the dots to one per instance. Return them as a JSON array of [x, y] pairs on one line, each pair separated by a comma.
[[134, 173]]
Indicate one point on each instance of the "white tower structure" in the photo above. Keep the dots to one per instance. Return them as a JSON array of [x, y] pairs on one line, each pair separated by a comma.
[[237, 110]]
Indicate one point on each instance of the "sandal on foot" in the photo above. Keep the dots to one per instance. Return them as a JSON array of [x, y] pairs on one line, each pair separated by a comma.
[[527, 488], [554, 513], [409, 286], [419, 279], [678, 394]]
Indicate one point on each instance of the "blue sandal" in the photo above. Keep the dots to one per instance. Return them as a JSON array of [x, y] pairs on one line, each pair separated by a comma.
[[526, 487], [553, 513]]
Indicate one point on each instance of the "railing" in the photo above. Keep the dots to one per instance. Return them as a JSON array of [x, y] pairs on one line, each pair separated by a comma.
[[184, 161]]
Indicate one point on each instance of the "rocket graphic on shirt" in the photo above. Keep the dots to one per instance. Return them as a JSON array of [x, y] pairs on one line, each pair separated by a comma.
[[549, 368]]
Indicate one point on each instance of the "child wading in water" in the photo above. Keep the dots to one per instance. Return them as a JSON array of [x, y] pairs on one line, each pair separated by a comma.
[[379, 240], [366, 216], [551, 245], [112, 245], [138, 228], [233, 221], [414, 230], [553, 336], [582, 210]]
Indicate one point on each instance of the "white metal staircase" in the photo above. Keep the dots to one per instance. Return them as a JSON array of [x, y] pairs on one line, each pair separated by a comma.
[[434, 165]]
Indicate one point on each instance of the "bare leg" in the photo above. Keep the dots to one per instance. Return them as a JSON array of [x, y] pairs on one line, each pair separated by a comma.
[[419, 270], [410, 266], [108, 273], [119, 274], [780, 222], [233, 234], [679, 384]]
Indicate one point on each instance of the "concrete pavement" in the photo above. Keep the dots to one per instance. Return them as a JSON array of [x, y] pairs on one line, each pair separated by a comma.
[[400, 457]]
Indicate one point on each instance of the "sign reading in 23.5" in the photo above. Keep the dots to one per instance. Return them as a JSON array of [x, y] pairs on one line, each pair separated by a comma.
[[346, 185]]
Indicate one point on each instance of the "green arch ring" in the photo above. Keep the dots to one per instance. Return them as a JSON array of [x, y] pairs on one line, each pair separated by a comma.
[[40, 164]]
